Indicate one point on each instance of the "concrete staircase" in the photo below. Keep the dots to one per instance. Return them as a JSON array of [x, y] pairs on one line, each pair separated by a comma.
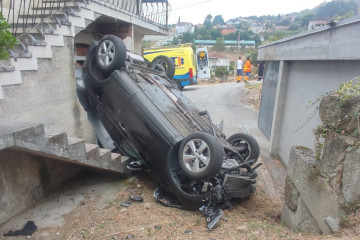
[[36, 43], [31, 138]]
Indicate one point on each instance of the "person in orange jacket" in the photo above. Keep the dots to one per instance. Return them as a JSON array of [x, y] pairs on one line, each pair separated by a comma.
[[247, 69]]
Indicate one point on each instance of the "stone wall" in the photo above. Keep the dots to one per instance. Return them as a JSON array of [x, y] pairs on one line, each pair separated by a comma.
[[323, 186]]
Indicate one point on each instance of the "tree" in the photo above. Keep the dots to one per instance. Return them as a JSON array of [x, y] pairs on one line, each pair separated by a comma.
[[203, 33], [218, 20], [305, 19], [231, 36], [219, 45], [328, 10], [270, 26], [187, 38], [285, 22], [347, 15], [7, 40], [293, 27], [146, 44], [208, 21], [215, 33], [175, 41]]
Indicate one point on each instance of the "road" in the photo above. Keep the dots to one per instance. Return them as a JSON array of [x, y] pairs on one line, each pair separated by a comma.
[[223, 101]]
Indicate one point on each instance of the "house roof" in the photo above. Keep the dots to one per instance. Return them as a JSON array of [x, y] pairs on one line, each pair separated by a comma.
[[318, 22], [183, 24], [216, 55], [227, 42]]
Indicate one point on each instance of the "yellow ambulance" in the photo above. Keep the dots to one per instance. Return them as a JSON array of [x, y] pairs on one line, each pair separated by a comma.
[[184, 59]]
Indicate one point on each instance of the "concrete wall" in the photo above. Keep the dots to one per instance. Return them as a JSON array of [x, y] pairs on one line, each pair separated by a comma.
[[48, 96], [312, 63], [307, 81], [32, 176]]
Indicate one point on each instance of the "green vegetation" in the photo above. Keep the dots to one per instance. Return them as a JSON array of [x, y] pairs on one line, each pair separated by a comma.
[[7, 40], [221, 72], [219, 45]]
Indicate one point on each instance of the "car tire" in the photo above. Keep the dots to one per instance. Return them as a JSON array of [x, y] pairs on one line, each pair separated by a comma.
[[200, 156], [110, 54], [177, 84], [251, 150], [163, 64]]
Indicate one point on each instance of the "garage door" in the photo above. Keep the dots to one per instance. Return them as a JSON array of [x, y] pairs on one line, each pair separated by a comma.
[[268, 97]]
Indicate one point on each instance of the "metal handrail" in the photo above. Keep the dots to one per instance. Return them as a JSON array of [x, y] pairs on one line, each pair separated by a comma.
[[25, 14]]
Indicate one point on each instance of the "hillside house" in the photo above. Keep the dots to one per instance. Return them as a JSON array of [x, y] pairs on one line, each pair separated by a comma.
[[316, 24], [184, 27], [218, 60]]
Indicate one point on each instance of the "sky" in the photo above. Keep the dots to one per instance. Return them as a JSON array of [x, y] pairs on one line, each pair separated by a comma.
[[195, 11]]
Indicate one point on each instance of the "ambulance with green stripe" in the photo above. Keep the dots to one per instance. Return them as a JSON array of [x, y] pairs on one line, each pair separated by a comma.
[[184, 59]]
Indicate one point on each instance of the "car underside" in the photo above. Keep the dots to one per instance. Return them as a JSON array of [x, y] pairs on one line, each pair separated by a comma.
[[138, 110]]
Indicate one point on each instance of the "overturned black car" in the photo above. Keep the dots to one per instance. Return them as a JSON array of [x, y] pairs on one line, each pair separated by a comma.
[[141, 112]]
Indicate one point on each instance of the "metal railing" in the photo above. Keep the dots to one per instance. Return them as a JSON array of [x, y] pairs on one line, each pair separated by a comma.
[[25, 14]]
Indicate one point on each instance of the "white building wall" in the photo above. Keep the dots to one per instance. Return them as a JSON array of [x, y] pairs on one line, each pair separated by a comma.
[[308, 81]]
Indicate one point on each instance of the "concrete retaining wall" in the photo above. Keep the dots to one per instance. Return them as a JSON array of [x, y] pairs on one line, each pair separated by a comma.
[[48, 96], [32, 176]]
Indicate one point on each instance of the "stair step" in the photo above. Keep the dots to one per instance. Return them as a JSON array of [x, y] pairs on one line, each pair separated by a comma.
[[76, 149], [105, 156], [116, 157], [92, 152], [54, 40], [6, 68], [57, 143], [41, 51], [58, 139], [60, 15], [9, 78], [119, 162], [26, 135], [25, 63], [54, 7]]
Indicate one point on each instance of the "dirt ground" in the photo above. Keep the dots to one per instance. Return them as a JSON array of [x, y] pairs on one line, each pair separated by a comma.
[[257, 217], [252, 95]]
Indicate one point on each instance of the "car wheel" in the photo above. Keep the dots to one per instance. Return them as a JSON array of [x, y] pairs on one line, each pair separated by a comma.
[[249, 146], [163, 64], [110, 54], [200, 156], [177, 84]]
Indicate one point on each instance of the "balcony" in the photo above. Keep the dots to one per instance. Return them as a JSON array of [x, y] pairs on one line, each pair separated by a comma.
[[25, 14]]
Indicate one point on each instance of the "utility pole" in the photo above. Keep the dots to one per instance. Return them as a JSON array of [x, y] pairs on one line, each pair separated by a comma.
[[237, 51]]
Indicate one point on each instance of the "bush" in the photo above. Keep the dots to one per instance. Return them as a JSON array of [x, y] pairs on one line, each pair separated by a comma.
[[221, 72], [7, 40]]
